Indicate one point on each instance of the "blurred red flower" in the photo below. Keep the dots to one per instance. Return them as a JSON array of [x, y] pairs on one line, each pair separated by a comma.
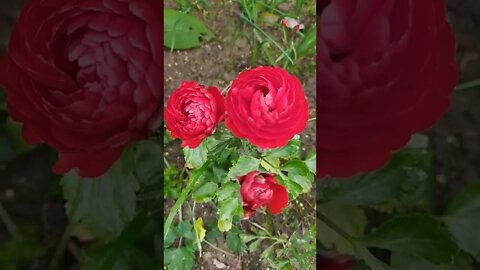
[[85, 78], [386, 70]]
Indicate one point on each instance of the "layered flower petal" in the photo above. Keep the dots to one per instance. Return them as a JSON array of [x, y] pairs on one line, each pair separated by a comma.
[[85, 78], [267, 106], [385, 70], [261, 190], [193, 112]]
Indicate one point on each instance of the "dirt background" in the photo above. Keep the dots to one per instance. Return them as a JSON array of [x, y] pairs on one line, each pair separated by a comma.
[[30, 192]]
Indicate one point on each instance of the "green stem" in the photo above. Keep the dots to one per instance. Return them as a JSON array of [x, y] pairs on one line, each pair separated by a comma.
[[62, 246], [197, 237], [219, 249], [268, 37], [335, 227], [312, 119], [468, 85], [177, 205], [8, 222]]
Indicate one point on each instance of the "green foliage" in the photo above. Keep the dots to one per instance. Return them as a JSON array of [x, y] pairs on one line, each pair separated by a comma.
[[104, 204], [137, 247], [243, 166], [229, 205], [401, 261], [21, 248], [183, 31], [195, 158], [403, 181], [419, 235], [463, 219], [234, 242], [351, 220]]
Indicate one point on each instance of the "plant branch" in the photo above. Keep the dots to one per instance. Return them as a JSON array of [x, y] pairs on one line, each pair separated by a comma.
[[177, 205], [219, 249], [335, 227]]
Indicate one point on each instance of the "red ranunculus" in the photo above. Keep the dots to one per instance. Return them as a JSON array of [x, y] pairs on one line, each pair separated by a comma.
[[259, 190], [267, 106], [85, 77], [386, 69], [193, 112]]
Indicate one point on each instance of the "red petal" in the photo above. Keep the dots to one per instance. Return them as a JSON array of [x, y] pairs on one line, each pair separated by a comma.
[[279, 199], [88, 164]]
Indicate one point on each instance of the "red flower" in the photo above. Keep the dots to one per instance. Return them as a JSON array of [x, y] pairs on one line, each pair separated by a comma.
[[193, 112], [385, 71], [261, 189], [267, 106], [85, 78]]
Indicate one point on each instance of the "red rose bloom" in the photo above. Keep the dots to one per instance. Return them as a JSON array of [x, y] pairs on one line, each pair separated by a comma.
[[85, 77], [261, 189], [385, 71], [267, 106], [193, 112]]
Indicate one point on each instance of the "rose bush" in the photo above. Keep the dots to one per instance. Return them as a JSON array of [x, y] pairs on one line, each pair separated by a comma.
[[259, 190], [85, 78], [193, 112], [267, 106], [385, 71]]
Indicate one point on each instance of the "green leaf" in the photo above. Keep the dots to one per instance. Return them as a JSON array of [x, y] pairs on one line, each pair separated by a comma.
[[104, 204], [229, 205], [291, 150], [179, 259], [243, 166], [404, 180], [311, 161], [148, 162], [117, 253], [195, 158], [419, 235], [234, 242], [205, 192], [199, 230], [419, 141], [350, 219], [463, 219], [400, 261], [369, 259], [299, 174], [183, 31], [254, 245]]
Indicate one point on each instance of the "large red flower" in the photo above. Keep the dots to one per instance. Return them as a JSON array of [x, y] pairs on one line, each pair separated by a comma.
[[193, 112], [260, 190], [267, 106], [386, 70], [85, 77]]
